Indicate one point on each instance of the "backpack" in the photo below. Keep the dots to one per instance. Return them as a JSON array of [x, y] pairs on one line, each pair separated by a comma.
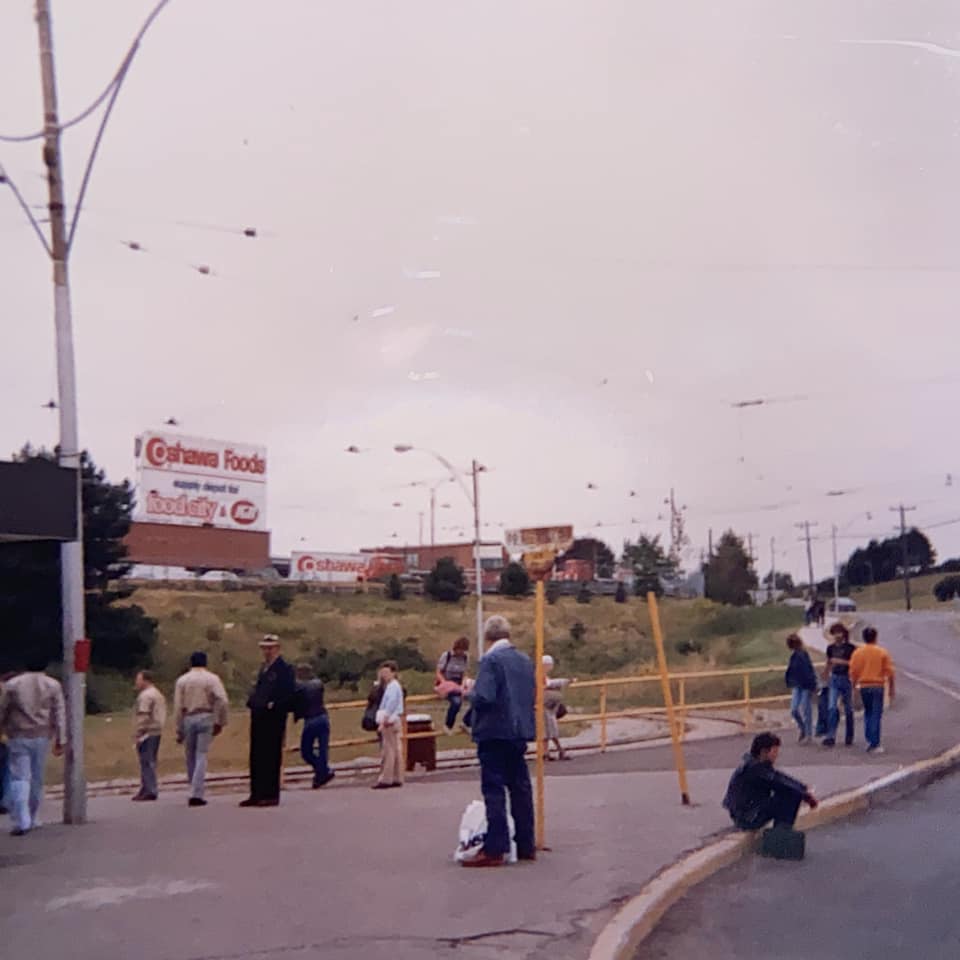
[[368, 721]]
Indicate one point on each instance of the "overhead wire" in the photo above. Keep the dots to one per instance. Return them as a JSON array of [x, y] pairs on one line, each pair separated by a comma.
[[115, 81]]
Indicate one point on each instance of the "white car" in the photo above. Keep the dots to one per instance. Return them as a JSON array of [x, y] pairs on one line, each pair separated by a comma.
[[842, 605]]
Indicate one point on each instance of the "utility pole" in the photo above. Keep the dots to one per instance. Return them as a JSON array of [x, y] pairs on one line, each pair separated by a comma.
[[750, 552], [71, 553], [420, 537], [476, 468], [908, 600], [709, 544], [805, 526], [773, 569], [836, 571], [433, 516]]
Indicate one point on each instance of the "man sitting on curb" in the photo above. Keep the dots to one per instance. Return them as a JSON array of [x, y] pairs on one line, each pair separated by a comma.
[[759, 793]]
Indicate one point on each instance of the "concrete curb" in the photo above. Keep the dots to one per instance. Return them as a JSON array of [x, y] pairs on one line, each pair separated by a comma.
[[636, 920]]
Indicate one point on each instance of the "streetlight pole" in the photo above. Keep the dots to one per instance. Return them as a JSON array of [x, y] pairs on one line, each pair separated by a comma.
[[475, 469], [71, 553]]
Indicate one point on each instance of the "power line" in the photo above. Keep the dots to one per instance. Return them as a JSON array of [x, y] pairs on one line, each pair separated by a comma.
[[115, 81]]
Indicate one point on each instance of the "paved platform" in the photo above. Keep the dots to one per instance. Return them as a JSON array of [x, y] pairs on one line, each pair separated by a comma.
[[351, 874]]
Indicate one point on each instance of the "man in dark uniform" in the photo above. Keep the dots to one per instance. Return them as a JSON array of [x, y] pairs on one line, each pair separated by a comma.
[[269, 703]]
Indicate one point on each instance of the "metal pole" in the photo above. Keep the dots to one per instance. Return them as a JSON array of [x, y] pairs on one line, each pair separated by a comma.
[[773, 569], [71, 553], [805, 526], [668, 699], [907, 598], [420, 528], [541, 720], [433, 516], [476, 557], [836, 573]]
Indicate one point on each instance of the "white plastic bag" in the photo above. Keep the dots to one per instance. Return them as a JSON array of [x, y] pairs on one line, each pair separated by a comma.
[[473, 831]]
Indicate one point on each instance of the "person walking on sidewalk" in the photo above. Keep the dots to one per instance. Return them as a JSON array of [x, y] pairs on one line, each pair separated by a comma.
[[200, 713], [448, 683], [269, 704], [802, 680], [149, 716], [503, 698], [308, 706], [837, 674], [870, 668], [554, 708], [758, 792], [32, 715], [390, 726]]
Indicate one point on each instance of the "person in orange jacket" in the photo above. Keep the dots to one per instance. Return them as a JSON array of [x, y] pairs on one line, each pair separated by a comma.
[[871, 668]]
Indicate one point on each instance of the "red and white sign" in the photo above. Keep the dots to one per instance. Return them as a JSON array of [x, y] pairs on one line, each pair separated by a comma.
[[342, 567], [195, 482]]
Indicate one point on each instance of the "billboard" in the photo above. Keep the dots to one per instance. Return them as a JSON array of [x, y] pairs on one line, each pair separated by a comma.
[[194, 482], [342, 567], [530, 538]]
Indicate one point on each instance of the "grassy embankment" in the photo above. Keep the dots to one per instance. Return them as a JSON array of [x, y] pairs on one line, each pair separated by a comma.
[[616, 642]]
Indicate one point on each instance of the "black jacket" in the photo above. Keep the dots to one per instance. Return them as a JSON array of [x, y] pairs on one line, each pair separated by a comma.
[[308, 701], [275, 685], [800, 672], [752, 784]]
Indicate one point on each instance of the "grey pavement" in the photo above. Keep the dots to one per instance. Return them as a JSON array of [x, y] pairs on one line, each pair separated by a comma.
[[884, 884], [348, 873]]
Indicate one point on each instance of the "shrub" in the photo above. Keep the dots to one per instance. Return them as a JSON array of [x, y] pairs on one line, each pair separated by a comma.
[[514, 581], [621, 595], [277, 599], [687, 647], [578, 633], [445, 582], [584, 595], [394, 588], [947, 588], [553, 591]]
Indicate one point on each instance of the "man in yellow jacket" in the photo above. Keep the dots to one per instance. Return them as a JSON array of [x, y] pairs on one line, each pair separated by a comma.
[[871, 667]]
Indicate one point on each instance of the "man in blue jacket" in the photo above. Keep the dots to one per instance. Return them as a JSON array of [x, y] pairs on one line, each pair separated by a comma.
[[503, 722]]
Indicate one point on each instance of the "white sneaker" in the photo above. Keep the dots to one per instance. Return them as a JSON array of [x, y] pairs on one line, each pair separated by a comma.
[[448, 730]]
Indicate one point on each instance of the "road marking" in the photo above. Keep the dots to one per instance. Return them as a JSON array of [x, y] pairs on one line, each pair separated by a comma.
[[93, 898]]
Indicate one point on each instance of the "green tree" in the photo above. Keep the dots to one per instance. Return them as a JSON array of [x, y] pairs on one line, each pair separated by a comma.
[[729, 573], [514, 581], [278, 599], [784, 582], [649, 561], [584, 595], [597, 552], [621, 595], [30, 607], [394, 587], [445, 582], [553, 591]]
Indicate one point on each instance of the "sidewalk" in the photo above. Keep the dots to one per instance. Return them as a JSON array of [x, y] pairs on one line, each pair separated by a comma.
[[350, 874]]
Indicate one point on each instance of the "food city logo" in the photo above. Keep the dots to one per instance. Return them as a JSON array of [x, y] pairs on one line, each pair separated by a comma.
[[159, 453], [202, 509]]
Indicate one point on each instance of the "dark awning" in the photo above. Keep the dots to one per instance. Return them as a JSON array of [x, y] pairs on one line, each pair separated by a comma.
[[38, 501]]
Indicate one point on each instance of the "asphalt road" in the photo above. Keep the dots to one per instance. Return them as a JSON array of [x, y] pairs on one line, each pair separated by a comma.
[[883, 885]]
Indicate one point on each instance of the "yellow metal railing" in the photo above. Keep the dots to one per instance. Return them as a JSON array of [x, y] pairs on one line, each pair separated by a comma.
[[683, 705]]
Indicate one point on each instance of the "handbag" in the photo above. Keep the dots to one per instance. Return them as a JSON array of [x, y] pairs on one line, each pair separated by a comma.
[[561, 711], [369, 720]]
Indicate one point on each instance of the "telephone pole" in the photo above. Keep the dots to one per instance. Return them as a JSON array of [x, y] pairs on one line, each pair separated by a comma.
[[836, 571], [908, 600], [71, 553], [773, 569], [805, 525]]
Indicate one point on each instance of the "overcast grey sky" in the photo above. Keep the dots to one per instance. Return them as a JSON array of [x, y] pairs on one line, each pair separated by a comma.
[[639, 212]]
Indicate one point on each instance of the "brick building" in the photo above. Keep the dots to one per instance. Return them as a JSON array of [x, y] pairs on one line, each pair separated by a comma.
[[198, 548]]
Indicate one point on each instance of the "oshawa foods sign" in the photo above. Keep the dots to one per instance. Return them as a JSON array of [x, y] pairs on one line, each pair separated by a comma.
[[342, 567], [194, 482]]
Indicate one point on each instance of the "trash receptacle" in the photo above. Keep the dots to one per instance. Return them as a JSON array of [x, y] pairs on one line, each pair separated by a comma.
[[422, 750]]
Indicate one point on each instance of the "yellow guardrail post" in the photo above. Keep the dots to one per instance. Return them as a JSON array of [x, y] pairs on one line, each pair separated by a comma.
[[403, 740], [682, 698], [747, 709], [668, 699], [603, 719]]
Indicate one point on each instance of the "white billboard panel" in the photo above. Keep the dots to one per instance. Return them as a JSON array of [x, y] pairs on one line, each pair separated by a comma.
[[195, 482]]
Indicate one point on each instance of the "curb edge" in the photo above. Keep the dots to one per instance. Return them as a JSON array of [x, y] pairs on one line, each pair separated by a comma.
[[639, 916]]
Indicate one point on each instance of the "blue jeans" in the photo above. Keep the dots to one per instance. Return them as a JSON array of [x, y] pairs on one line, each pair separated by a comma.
[[4, 774], [503, 770], [840, 689], [872, 713], [197, 737], [315, 746], [801, 709], [456, 701], [147, 750], [28, 759]]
